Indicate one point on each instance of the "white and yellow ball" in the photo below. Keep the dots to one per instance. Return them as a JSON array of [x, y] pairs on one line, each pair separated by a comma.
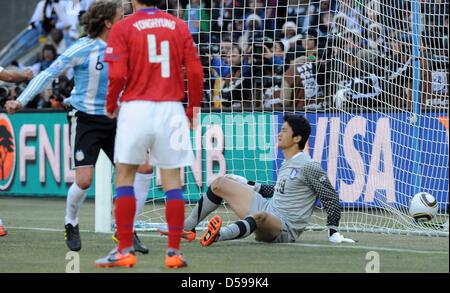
[[423, 207]]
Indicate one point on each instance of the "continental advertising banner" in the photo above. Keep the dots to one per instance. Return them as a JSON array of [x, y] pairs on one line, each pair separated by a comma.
[[369, 157]]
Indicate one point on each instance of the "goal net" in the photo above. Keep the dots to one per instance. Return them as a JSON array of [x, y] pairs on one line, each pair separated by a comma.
[[372, 78]]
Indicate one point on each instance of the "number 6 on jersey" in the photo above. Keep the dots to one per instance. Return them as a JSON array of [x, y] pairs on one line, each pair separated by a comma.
[[164, 58]]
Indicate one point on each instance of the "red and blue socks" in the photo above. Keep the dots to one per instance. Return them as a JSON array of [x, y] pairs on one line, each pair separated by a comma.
[[174, 217], [125, 209]]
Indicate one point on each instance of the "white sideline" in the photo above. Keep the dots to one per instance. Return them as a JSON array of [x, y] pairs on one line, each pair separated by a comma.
[[341, 246], [374, 248]]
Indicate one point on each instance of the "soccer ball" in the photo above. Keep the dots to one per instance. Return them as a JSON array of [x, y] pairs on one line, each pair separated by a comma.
[[423, 207]]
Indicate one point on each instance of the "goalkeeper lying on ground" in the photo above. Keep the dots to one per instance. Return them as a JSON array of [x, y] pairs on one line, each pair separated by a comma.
[[285, 216]]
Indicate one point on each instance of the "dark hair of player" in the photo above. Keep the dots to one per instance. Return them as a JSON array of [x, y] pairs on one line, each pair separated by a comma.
[[99, 12], [300, 126]]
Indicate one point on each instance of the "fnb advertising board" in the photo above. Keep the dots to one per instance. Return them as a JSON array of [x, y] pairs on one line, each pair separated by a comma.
[[39, 146], [369, 157]]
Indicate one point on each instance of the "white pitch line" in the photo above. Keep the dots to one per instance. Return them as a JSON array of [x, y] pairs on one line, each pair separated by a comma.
[[42, 229], [334, 246], [374, 248]]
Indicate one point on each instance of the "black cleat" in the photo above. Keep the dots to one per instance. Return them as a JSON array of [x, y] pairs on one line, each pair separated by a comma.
[[72, 237], [137, 244]]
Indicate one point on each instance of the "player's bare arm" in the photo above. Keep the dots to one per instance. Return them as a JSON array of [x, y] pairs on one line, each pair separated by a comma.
[[16, 76]]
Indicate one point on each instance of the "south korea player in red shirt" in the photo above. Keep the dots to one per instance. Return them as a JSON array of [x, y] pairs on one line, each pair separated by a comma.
[[149, 52]]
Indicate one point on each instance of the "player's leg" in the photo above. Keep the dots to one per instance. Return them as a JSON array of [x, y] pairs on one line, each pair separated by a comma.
[[237, 195], [125, 208], [85, 147], [125, 204], [268, 226], [253, 204], [77, 193], [2, 229], [141, 181], [171, 150], [143, 176], [131, 144], [237, 230], [141, 185], [171, 183], [75, 197]]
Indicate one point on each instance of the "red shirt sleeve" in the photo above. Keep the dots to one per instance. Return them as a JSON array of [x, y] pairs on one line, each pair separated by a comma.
[[194, 72], [117, 56], [117, 49]]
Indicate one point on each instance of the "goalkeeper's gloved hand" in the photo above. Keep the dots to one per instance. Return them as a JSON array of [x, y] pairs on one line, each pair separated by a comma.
[[237, 178], [336, 237], [254, 185]]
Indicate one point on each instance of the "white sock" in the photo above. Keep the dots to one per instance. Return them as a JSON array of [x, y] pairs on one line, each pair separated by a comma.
[[75, 198], [1, 223], [141, 188]]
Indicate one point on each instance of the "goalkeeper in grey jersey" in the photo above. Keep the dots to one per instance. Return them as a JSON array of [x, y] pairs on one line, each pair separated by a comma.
[[284, 216]]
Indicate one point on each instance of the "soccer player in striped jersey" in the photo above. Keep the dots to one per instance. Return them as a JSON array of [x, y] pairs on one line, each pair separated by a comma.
[[285, 216], [91, 129]]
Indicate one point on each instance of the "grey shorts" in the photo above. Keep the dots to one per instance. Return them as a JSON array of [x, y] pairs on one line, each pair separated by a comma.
[[261, 204]]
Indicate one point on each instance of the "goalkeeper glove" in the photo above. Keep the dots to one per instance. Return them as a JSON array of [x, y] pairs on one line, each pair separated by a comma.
[[237, 178], [255, 186], [336, 237]]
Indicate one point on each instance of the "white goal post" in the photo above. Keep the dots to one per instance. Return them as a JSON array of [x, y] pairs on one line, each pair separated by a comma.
[[103, 194]]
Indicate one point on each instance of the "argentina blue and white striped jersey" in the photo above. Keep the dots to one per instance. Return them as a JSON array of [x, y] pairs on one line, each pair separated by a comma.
[[90, 74]]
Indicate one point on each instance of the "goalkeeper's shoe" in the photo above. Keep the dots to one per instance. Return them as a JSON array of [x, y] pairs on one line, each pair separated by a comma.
[[189, 236], [3, 231], [72, 237], [175, 259], [117, 259], [211, 235], [137, 244]]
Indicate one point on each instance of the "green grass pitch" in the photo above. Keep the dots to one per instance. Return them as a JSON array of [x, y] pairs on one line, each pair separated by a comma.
[[35, 243]]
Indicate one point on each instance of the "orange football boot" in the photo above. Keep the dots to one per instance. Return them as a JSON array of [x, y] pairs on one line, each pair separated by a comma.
[[189, 236], [3, 231], [213, 231], [175, 260], [117, 259]]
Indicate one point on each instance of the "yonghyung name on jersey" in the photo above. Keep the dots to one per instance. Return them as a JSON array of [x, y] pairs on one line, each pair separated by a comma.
[[155, 23]]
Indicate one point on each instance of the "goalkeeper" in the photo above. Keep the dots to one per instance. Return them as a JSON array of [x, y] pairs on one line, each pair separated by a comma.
[[285, 216]]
